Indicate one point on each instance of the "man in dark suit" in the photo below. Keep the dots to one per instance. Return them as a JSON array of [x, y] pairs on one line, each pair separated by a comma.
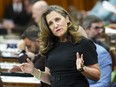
[[30, 49], [16, 16]]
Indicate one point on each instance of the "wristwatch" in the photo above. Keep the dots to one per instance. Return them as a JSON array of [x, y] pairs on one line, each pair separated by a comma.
[[81, 69]]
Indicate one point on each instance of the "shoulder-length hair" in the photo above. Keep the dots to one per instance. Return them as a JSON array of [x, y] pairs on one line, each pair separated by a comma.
[[47, 39]]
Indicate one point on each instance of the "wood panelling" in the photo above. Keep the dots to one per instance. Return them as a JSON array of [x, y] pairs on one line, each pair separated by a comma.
[[78, 4], [11, 84], [63, 3], [1, 9], [3, 4]]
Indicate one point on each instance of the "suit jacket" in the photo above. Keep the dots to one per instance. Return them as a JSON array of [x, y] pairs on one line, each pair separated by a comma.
[[19, 18]]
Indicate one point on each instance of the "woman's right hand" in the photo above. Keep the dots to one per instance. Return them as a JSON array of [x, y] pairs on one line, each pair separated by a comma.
[[27, 67]]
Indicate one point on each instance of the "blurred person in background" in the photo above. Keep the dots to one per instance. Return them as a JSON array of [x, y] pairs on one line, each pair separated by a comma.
[[16, 17], [90, 24], [28, 6], [30, 49], [21, 45], [113, 25], [38, 9], [99, 11], [105, 64], [94, 28]]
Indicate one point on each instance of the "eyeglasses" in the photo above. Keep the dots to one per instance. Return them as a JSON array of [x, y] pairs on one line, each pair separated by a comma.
[[97, 27]]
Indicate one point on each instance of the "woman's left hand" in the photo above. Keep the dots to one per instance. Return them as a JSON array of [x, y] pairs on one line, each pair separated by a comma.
[[79, 61]]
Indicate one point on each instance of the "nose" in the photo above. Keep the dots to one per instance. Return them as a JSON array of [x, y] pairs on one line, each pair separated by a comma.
[[100, 30], [55, 24]]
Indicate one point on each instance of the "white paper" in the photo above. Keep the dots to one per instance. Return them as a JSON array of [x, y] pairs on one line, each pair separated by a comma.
[[110, 30]]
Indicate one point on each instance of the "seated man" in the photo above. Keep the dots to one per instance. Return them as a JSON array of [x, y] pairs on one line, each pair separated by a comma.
[[31, 42], [94, 28], [105, 63], [104, 59]]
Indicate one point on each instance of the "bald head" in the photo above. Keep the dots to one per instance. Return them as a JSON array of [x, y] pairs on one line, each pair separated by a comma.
[[38, 9]]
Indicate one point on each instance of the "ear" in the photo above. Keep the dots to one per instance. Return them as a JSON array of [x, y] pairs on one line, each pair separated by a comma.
[[87, 31], [67, 18]]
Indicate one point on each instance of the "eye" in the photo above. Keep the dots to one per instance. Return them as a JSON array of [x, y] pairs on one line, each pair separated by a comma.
[[57, 19], [50, 23]]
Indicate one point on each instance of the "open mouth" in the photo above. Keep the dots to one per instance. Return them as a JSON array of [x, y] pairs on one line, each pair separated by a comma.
[[58, 30]]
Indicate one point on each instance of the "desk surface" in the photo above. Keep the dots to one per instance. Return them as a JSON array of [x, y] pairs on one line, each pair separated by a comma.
[[2, 59], [20, 81], [8, 65], [14, 79]]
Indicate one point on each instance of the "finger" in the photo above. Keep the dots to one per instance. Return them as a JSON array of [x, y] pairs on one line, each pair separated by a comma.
[[81, 56], [22, 68], [28, 60], [77, 54], [15, 66]]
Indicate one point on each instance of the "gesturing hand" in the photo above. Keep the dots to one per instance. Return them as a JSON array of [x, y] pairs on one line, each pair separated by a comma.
[[79, 61], [27, 67]]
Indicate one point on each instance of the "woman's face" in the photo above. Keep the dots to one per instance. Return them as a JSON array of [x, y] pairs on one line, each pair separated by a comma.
[[57, 23]]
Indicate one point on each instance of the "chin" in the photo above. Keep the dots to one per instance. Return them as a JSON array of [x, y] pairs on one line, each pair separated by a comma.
[[59, 34]]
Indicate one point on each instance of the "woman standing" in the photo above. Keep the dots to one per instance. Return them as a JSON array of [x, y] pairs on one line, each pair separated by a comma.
[[70, 58]]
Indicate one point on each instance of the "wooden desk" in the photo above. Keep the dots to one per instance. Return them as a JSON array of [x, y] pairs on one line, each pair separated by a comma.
[[12, 81], [6, 62], [9, 84], [2, 59], [5, 66]]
